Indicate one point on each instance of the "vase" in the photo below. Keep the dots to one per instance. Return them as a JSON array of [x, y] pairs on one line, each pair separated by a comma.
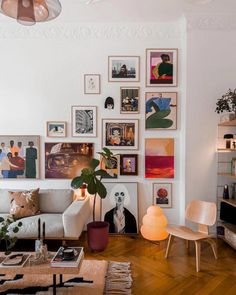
[[97, 234]]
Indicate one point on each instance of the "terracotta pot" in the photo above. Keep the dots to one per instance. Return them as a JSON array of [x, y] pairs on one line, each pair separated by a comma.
[[98, 235]]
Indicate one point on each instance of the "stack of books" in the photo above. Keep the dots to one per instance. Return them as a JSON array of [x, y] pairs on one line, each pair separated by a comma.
[[68, 257], [15, 260]]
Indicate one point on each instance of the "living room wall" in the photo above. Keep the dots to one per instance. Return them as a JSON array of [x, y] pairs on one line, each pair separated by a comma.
[[41, 76]]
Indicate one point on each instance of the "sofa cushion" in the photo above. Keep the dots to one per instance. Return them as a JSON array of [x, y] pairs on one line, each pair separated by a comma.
[[55, 200], [24, 204], [4, 201]]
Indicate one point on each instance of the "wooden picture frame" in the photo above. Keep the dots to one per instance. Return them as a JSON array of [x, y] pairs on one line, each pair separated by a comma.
[[92, 84], [128, 164], [162, 194], [56, 129], [129, 100]]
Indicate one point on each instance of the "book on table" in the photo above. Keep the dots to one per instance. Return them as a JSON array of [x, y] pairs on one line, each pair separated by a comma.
[[68, 257], [15, 260]]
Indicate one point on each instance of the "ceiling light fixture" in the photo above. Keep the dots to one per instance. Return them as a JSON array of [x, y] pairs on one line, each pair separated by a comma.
[[29, 12]]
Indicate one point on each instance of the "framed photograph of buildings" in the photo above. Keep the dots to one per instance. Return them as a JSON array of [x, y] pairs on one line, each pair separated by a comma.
[[159, 158], [92, 84], [129, 100], [162, 194], [121, 201], [56, 129], [112, 168], [120, 134], [19, 156], [161, 110], [128, 164], [84, 121], [161, 67], [123, 68], [65, 160]]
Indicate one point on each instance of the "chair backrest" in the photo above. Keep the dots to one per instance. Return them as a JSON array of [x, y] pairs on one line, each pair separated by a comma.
[[201, 212]]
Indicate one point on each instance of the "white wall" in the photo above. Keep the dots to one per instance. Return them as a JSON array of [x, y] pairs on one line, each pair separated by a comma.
[[41, 77]]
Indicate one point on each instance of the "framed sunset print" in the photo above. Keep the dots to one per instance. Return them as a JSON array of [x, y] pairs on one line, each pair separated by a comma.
[[161, 67], [92, 84], [161, 110], [128, 164], [159, 158], [129, 100], [162, 194], [123, 68], [120, 134]]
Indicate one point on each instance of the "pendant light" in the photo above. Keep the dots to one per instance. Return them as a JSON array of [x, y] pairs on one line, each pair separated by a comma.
[[29, 12]]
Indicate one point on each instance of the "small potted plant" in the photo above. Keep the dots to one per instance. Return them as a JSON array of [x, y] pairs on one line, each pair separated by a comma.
[[227, 102], [92, 177]]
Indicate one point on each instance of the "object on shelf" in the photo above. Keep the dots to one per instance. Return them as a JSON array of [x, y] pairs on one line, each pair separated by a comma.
[[82, 193], [226, 192], [233, 196], [228, 138]]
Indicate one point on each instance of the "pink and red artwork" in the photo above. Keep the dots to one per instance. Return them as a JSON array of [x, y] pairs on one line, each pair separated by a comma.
[[159, 158]]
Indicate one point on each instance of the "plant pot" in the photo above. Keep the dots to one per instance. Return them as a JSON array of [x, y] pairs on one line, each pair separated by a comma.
[[98, 235]]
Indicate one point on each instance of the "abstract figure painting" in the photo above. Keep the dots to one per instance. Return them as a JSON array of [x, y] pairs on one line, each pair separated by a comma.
[[162, 194], [84, 121], [161, 67], [159, 158], [19, 156], [161, 110]]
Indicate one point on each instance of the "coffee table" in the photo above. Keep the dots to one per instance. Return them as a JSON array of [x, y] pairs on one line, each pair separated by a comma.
[[42, 269]]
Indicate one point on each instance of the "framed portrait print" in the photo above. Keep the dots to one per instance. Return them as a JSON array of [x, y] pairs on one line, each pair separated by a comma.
[[159, 158], [128, 164], [123, 69], [120, 134], [92, 84], [162, 194], [19, 157], [161, 110], [84, 121], [129, 100], [65, 160], [120, 207], [161, 67], [113, 168], [56, 129]]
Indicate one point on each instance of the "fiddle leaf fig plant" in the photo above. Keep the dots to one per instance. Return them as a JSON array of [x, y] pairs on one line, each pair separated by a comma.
[[227, 102], [7, 232]]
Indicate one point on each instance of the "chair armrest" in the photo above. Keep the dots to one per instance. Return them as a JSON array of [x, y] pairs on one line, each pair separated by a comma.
[[75, 217]]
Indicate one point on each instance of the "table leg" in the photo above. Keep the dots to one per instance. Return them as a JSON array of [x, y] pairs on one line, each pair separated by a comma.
[[54, 284], [61, 280]]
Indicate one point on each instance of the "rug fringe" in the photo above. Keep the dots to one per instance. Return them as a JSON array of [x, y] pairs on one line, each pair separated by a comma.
[[118, 278]]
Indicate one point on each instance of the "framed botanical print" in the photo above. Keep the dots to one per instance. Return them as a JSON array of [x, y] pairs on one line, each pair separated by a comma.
[[128, 164], [19, 157], [120, 207], [161, 110], [129, 100], [56, 129], [92, 84], [161, 67], [120, 134], [162, 194], [123, 69], [84, 121]]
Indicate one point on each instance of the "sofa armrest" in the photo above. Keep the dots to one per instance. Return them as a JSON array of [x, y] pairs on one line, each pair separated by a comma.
[[75, 217]]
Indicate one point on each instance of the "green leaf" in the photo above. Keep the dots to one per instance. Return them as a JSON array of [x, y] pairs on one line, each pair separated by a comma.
[[77, 182], [107, 151], [94, 163], [92, 187], [101, 189], [15, 230], [1, 219], [101, 173], [20, 224]]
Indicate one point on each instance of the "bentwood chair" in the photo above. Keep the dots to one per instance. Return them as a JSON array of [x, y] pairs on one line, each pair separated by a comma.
[[204, 214]]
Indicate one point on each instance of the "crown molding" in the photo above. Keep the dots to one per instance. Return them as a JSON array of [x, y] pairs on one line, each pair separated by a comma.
[[91, 31]]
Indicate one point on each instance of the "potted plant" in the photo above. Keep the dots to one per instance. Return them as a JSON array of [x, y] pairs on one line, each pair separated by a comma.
[[227, 102], [7, 232], [92, 177]]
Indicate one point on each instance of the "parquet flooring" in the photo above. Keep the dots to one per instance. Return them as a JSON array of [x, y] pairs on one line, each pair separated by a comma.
[[154, 275]]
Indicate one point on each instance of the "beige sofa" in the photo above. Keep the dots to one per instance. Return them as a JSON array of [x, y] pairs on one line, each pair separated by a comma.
[[63, 217]]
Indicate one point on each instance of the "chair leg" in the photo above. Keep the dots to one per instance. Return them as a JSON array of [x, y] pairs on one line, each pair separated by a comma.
[[198, 254], [170, 240], [213, 246]]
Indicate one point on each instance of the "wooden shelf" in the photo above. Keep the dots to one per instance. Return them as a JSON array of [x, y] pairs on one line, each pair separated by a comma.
[[232, 202], [228, 123], [227, 175], [226, 241], [226, 150]]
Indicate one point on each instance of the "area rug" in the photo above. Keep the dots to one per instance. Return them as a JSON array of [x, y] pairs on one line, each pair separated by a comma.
[[108, 278]]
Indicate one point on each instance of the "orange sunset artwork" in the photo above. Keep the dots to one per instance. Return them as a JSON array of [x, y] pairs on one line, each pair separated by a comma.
[[159, 158]]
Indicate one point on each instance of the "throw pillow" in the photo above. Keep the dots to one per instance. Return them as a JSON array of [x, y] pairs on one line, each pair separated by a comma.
[[24, 204]]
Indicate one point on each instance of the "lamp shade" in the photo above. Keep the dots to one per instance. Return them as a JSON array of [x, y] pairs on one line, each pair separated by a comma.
[[154, 224], [28, 12]]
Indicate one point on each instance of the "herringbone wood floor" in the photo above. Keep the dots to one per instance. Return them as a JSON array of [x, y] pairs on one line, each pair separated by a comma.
[[154, 275]]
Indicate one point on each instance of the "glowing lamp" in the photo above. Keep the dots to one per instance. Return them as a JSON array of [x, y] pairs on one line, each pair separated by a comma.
[[81, 193], [154, 224]]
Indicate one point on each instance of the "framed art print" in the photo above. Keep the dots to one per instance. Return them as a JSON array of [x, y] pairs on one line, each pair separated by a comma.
[[112, 169], [159, 158], [129, 100], [120, 207], [92, 84], [56, 129], [161, 67], [19, 157], [65, 160], [123, 69], [120, 134], [84, 121], [162, 194], [128, 164], [161, 110]]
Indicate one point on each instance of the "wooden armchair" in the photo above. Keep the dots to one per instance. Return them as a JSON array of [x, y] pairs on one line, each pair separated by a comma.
[[204, 214]]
